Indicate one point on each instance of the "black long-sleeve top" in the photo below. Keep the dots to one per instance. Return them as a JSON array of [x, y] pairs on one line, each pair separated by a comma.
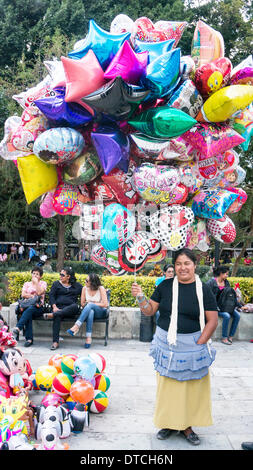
[[62, 296]]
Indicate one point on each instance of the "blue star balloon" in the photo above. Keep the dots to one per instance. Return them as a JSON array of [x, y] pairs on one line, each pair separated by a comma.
[[104, 44], [154, 49], [112, 147], [57, 110], [162, 74]]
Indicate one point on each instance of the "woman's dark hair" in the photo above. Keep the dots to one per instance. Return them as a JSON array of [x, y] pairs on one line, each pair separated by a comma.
[[167, 266], [37, 269], [187, 252], [94, 281], [220, 270], [69, 271]]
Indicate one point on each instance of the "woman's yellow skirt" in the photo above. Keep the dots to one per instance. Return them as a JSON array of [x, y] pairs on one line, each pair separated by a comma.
[[182, 404]]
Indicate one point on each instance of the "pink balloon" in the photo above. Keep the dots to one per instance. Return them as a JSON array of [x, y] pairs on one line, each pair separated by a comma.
[[83, 76], [46, 207], [127, 63]]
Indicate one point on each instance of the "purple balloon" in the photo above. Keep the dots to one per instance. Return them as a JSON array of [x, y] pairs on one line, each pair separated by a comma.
[[112, 147], [128, 64], [57, 110]]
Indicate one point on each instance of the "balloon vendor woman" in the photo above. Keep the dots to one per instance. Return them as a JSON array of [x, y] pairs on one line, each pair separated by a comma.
[[181, 348]]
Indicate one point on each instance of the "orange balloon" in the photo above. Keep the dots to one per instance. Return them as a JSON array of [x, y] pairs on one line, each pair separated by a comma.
[[55, 361], [82, 391]]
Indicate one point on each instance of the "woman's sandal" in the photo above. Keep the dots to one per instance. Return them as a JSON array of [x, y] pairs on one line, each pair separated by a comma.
[[226, 341], [72, 333], [54, 346]]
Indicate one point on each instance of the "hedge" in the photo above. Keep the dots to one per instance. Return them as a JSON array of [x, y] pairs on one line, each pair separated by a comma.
[[120, 286]]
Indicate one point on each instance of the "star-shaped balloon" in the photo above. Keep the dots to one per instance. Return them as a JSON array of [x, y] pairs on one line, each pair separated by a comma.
[[56, 72], [154, 49], [82, 76], [116, 98], [163, 122], [112, 147], [56, 109], [128, 64], [162, 74], [104, 44]]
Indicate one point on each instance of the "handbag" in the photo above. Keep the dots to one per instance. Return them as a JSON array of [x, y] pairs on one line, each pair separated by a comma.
[[33, 301]]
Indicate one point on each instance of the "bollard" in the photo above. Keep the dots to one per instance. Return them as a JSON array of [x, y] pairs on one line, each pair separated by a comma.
[[146, 328]]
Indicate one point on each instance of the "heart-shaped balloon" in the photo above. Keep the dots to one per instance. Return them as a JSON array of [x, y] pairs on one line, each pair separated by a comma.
[[135, 252], [212, 203], [153, 181], [108, 259], [171, 225], [117, 226], [222, 230], [212, 76], [228, 160]]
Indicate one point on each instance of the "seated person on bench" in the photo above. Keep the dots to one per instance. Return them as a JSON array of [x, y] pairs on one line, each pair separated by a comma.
[[95, 302], [34, 288], [63, 298]]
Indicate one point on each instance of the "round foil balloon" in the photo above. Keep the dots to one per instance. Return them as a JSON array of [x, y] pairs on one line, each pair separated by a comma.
[[59, 145], [83, 169], [171, 225], [118, 225]]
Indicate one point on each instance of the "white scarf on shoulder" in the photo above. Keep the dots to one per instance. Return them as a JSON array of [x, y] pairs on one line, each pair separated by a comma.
[[172, 331]]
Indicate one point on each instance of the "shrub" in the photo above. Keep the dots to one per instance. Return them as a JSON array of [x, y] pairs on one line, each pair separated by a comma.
[[120, 286]]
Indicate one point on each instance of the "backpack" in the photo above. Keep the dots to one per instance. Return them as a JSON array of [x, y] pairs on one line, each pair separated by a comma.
[[227, 300]]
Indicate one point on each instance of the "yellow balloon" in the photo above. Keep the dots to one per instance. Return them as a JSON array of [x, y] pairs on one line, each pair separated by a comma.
[[222, 104], [37, 177], [44, 377]]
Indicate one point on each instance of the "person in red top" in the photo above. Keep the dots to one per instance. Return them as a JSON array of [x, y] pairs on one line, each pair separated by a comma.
[[247, 261]]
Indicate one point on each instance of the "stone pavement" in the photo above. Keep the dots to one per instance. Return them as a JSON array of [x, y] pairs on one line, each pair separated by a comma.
[[127, 423]]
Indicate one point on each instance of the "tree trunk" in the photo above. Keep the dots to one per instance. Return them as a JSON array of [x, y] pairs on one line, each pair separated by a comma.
[[61, 242], [245, 246]]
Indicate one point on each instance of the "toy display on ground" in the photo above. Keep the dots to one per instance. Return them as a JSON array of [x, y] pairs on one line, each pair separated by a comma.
[[72, 386], [126, 119]]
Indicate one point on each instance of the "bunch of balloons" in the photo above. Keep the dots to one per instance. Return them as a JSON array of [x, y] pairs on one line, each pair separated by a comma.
[[127, 123], [72, 379]]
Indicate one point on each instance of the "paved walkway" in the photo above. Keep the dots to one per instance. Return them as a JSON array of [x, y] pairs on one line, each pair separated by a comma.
[[127, 423]]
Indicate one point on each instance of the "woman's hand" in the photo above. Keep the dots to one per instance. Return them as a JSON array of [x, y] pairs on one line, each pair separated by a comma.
[[136, 290]]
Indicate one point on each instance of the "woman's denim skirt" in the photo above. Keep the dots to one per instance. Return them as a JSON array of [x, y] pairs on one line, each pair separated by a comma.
[[186, 360]]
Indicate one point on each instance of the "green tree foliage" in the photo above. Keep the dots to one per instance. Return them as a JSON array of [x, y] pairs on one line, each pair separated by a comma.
[[32, 31]]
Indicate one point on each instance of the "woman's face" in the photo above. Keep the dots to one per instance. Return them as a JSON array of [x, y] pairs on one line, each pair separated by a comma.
[[36, 274], [224, 275], [185, 269], [64, 276], [169, 273]]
